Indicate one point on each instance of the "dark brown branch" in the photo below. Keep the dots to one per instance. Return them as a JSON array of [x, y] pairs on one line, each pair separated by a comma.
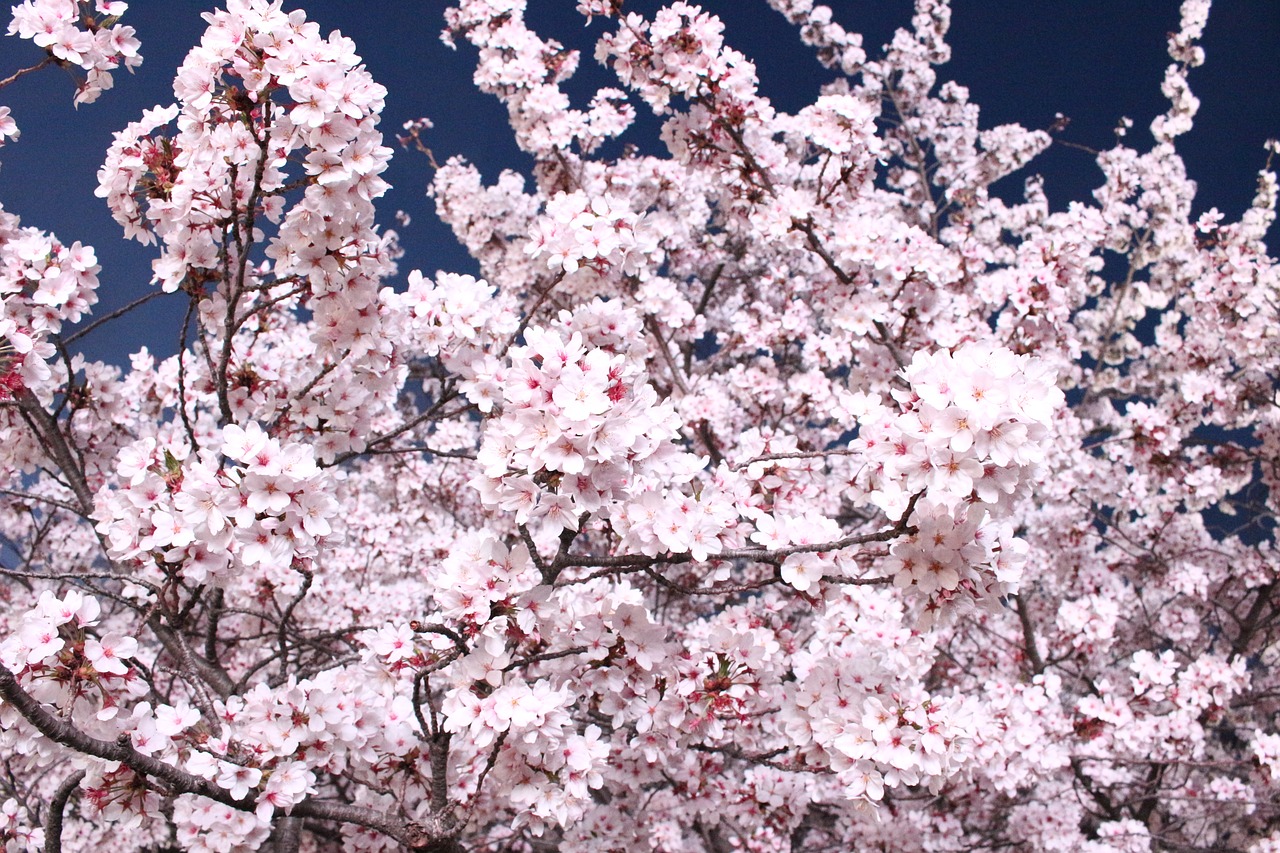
[[287, 836], [213, 616], [676, 375], [438, 751], [27, 496], [528, 315], [57, 805], [881, 581], [459, 643], [446, 396], [721, 589], [209, 672], [1249, 624], [775, 556], [488, 765], [549, 572], [182, 375], [576, 650], [63, 732], [243, 239]]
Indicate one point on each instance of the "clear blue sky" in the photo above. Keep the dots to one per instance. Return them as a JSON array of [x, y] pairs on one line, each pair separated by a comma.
[[1023, 60]]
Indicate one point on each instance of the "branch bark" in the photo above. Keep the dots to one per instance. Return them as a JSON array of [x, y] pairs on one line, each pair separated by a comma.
[[57, 805]]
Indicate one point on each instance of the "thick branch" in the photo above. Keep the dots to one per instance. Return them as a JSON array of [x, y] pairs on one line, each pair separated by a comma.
[[57, 805], [63, 732]]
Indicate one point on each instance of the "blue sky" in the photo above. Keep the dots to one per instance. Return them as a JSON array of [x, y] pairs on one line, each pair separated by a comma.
[[1023, 60]]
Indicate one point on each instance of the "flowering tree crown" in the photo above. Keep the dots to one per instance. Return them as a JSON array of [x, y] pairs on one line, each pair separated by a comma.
[[788, 489]]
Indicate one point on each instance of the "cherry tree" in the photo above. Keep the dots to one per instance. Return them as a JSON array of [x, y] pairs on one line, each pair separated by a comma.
[[785, 490]]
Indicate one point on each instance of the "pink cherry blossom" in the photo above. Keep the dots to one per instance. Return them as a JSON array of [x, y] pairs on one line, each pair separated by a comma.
[[792, 483]]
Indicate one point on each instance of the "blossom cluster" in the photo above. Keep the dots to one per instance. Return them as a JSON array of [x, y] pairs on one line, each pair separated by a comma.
[[673, 521], [338, 720], [206, 522], [296, 147], [180, 187], [601, 232], [549, 764], [579, 426], [681, 51], [480, 577], [43, 284], [65, 660], [460, 321], [8, 127], [1020, 731], [852, 705], [204, 826], [526, 71], [83, 34], [970, 431], [548, 768], [973, 425]]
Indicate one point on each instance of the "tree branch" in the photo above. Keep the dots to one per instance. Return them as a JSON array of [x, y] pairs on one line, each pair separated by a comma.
[[57, 805]]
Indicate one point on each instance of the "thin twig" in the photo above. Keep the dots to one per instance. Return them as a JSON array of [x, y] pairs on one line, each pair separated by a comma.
[[23, 72], [119, 312]]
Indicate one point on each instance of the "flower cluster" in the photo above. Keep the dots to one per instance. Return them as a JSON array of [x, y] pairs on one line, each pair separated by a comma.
[[63, 660], [8, 127], [1021, 730], [17, 833], [526, 72], [338, 719], [780, 529], [273, 86], [579, 426], [548, 765], [457, 319], [855, 704], [680, 52], [671, 521], [1187, 54], [600, 232], [970, 431], [296, 147], [480, 577], [206, 522], [208, 827], [952, 559], [82, 34], [845, 126], [43, 284], [548, 768], [1266, 747], [972, 427]]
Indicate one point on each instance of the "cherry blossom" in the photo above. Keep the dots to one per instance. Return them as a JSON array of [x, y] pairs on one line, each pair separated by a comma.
[[786, 486]]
